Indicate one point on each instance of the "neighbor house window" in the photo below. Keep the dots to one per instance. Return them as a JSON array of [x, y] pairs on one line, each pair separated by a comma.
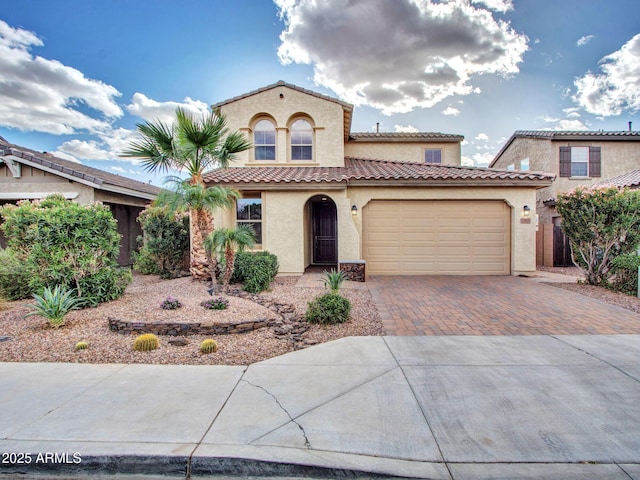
[[249, 212], [580, 161], [433, 156], [524, 164], [301, 140], [264, 140]]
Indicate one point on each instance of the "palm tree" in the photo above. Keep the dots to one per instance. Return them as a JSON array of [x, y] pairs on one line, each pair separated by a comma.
[[226, 241], [194, 146]]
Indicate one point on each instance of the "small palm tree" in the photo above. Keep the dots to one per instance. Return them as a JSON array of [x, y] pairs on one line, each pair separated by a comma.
[[333, 280], [194, 146], [227, 241]]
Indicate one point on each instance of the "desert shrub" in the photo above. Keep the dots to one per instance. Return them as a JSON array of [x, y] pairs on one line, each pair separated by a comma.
[[625, 272], [82, 345], [67, 244], [601, 224], [144, 261], [55, 304], [170, 303], [164, 244], [146, 342], [329, 308], [14, 276], [255, 270], [209, 346], [217, 303]]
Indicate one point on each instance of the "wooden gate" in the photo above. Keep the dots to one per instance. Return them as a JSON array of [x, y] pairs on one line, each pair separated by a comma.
[[561, 248]]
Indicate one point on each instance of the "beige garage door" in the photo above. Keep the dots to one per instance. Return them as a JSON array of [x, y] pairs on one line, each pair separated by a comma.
[[437, 238]]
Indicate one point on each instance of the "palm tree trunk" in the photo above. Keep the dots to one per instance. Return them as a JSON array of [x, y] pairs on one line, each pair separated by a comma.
[[201, 224], [230, 256]]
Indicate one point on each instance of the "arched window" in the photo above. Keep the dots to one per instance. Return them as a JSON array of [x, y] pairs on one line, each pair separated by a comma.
[[264, 140], [301, 140]]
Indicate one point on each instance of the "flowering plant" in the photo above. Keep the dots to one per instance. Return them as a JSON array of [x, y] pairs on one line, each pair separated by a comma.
[[170, 303], [216, 303]]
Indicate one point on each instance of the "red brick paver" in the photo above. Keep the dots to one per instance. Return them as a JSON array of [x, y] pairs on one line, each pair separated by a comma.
[[449, 305]]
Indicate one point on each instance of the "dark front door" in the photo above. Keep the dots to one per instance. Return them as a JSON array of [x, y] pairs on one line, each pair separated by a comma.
[[324, 232]]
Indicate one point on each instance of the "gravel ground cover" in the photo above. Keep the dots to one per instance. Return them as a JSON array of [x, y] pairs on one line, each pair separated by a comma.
[[32, 340]]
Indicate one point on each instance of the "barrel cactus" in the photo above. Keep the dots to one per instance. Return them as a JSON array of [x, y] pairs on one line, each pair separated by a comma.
[[146, 342], [209, 346], [82, 345]]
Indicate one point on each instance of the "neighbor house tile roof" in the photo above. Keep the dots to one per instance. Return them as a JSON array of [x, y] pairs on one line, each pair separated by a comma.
[[599, 135], [367, 171], [82, 173], [630, 179], [405, 136]]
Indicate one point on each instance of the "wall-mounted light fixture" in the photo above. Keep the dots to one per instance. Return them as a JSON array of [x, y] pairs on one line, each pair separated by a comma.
[[526, 211], [354, 210]]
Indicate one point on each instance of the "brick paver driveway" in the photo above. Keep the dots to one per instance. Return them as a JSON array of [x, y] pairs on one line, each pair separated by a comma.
[[449, 305]]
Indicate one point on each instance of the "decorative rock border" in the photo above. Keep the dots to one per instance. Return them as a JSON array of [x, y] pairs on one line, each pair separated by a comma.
[[353, 270], [288, 324]]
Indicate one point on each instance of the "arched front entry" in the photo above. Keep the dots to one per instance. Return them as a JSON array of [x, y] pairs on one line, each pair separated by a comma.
[[322, 230]]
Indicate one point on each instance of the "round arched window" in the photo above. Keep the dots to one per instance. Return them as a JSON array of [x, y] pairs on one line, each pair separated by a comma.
[[301, 140], [264, 140]]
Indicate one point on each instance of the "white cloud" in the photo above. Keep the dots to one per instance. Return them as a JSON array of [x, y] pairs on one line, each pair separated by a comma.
[[477, 159], [582, 41], [38, 94], [497, 5], [399, 55], [108, 146], [65, 156], [118, 169], [568, 124], [452, 111], [617, 88], [483, 137], [149, 109], [572, 112], [405, 129]]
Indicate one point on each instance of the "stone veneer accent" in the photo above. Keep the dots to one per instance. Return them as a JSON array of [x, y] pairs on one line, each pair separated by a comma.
[[353, 270]]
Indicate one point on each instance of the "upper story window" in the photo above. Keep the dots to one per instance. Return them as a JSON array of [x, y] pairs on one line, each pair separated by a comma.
[[433, 156], [264, 140], [524, 164], [301, 140], [580, 161]]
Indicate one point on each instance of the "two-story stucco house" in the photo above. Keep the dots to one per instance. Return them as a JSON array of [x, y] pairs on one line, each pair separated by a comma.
[[318, 194], [578, 158]]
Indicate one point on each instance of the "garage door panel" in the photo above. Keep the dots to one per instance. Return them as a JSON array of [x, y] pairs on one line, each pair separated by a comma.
[[437, 237]]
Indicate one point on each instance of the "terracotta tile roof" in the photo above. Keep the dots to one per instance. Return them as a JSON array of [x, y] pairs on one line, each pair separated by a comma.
[[630, 179], [101, 179], [599, 135], [359, 170], [406, 136]]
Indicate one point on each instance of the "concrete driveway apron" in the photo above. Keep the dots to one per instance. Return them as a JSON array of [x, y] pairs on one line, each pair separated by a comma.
[[483, 305]]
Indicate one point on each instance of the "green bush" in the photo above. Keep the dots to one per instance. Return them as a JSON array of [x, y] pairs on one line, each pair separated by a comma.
[[625, 270], [63, 243], [14, 276], [255, 270], [164, 244], [328, 309]]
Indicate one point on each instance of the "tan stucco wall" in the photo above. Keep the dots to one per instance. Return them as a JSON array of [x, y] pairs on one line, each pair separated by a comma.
[[617, 157], [326, 117], [36, 181], [284, 220], [403, 151]]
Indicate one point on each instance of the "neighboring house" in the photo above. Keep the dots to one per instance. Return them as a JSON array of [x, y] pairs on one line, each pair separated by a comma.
[[26, 175], [318, 194], [578, 158]]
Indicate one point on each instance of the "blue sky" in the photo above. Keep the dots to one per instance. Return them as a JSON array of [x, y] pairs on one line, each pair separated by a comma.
[[76, 75]]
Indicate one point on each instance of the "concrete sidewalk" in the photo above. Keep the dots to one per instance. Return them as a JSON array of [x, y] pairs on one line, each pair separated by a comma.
[[464, 407]]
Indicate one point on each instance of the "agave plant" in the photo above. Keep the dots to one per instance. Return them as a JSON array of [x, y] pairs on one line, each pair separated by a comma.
[[333, 280], [55, 304]]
